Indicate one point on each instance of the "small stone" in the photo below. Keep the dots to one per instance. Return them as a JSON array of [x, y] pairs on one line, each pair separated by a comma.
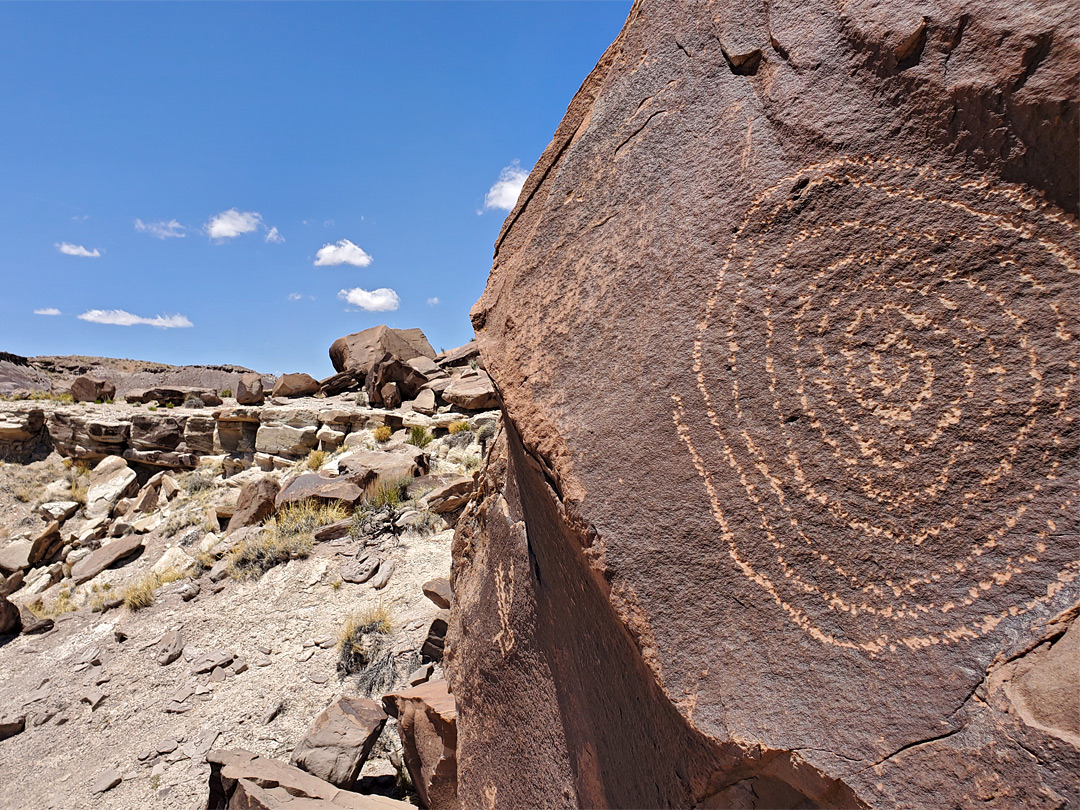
[[183, 693], [261, 662], [107, 781], [218, 675], [94, 697], [421, 674], [305, 656], [170, 647], [158, 769], [145, 754], [381, 579], [275, 709], [166, 746], [209, 661], [318, 677], [177, 708], [239, 666], [326, 642], [264, 649]]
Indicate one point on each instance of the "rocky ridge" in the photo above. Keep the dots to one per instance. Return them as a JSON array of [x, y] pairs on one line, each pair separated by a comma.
[[176, 581]]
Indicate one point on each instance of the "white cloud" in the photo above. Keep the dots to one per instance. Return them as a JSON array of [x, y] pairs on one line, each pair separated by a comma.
[[433, 302], [47, 311], [69, 249], [295, 296], [505, 192], [118, 317], [274, 237], [232, 223], [381, 300], [162, 230], [344, 252]]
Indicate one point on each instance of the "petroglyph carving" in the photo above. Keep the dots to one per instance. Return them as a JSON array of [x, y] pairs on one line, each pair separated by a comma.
[[902, 364]]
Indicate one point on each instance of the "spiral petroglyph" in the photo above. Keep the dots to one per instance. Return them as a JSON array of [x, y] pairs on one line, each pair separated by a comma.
[[884, 405]]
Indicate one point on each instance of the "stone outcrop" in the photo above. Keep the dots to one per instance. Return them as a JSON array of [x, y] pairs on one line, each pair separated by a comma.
[[359, 351], [10, 621], [113, 552], [427, 725], [783, 325], [339, 740], [21, 433]]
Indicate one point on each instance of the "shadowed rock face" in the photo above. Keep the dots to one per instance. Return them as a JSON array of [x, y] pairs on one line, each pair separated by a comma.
[[783, 324]]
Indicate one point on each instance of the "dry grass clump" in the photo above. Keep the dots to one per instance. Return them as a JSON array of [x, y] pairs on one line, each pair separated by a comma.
[[309, 515], [315, 459], [256, 555], [58, 607], [383, 433], [359, 641], [389, 492], [418, 436], [461, 426], [426, 523], [140, 593], [471, 462], [286, 536]]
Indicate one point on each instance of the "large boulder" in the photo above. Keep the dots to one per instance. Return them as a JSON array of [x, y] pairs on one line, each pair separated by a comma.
[[473, 391], [784, 325], [295, 385], [359, 351], [339, 740], [427, 725], [92, 389], [255, 503], [250, 389], [312, 486], [110, 481]]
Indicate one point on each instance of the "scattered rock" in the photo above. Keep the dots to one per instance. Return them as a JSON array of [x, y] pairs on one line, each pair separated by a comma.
[[11, 724], [121, 549], [214, 659], [58, 510], [382, 579], [421, 674], [339, 740], [170, 648], [472, 393], [275, 709], [111, 480], [94, 697], [438, 591], [360, 569], [106, 781], [174, 558], [436, 637]]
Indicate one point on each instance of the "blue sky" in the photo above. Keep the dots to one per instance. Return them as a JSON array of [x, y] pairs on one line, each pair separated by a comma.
[[276, 175]]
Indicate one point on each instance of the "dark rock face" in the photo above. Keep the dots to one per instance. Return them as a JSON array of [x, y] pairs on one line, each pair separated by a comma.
[[830, 259], [359, 351], [427, 725], [389, 370], [10, 622]]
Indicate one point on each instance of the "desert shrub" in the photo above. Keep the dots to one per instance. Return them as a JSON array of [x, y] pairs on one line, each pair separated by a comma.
[[315, 459], [197, 481], [426, 523], [23, 493], [485, 433], [461, 426], [170, 405], [418, 436], [191, 402], [386, 492], [225, 392], [471, 462], [151, 407], [473, 364], [383, 433]]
